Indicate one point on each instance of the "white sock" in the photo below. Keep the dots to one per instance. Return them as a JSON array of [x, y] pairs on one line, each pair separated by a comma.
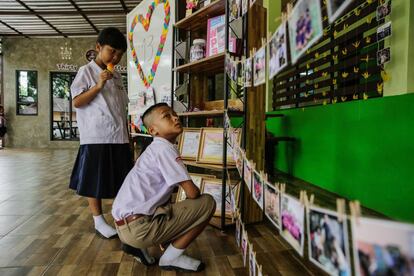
[[103, 227], [170, 254], [175, 257]]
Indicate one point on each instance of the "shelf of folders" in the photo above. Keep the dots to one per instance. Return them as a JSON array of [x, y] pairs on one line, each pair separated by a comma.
[[374, 241]]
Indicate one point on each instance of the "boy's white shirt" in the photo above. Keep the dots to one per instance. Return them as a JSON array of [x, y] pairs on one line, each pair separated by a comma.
[[104, 119], [151, 181]]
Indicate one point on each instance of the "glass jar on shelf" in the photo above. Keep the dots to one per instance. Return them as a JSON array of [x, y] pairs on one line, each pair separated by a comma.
[[197, 50]]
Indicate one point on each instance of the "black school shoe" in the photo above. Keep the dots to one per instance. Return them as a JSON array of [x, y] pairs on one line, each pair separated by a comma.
[[136, 253], [200, 268]]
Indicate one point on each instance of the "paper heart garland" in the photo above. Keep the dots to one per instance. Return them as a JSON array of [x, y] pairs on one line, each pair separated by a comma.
[[146, 24]]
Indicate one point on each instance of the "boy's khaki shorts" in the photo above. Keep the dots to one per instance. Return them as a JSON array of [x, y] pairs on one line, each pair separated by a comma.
[[168, 222]]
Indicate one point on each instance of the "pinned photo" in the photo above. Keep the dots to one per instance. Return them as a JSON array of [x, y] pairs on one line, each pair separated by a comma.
[[384, 31], [277, 51], [382, 247], [383, 10], [305, 27], [292, 222], [328, 241], [259, 67], [258, 189], [272, 203], [248, 74], [383, 56]]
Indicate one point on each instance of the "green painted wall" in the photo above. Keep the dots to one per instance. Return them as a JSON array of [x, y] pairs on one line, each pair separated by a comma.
[[362, 150]]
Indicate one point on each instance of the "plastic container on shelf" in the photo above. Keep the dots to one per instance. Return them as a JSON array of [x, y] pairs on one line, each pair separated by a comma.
[[197, 50]]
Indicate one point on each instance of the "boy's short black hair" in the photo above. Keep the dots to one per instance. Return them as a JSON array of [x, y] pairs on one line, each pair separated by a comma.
[[150, 110], [113, 37]]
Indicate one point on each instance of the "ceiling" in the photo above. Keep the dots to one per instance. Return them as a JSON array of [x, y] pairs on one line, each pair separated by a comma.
[[62, 18]]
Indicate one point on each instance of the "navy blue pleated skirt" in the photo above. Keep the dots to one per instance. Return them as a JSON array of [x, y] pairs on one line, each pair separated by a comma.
[[100, 169]]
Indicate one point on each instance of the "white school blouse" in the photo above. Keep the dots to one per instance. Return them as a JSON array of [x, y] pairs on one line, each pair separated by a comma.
[[104, 119], [151, 181]]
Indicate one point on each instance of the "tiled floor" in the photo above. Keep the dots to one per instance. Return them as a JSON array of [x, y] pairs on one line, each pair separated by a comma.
[[45, 229]]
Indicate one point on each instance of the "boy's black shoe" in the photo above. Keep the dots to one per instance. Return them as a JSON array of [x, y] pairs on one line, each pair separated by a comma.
[[136, 253]]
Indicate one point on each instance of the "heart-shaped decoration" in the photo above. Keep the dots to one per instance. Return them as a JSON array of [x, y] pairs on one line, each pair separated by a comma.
[[146, 21]]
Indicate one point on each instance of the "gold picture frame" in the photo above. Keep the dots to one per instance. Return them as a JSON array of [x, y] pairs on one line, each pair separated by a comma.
[[211, 147], [197, 179], [188, 145], [213, 186]]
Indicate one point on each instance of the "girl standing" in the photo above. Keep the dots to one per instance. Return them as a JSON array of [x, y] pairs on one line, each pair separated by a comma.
[[104, 157]]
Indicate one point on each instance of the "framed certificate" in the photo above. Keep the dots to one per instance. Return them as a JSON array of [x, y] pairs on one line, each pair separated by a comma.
[[211, 147], [213, 186], [189, 143]]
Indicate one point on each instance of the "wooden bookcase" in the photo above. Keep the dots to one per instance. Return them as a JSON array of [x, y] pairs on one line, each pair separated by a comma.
[[199, 78]]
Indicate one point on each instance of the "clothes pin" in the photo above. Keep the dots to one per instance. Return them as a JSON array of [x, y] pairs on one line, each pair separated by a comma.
[[355, 210], [340, 207], [282, 188]]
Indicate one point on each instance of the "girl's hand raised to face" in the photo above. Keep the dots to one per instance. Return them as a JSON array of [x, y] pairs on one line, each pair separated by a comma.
[[103, 77]]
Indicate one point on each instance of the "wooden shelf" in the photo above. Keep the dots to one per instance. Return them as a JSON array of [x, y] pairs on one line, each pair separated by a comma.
[[208, 166], [210, 113], [199, 19], [212, 64]]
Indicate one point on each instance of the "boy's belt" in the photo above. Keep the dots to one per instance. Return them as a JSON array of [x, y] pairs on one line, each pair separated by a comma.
[[128, 219]]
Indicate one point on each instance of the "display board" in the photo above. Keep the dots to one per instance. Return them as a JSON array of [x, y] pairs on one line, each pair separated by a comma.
[[149, 35]]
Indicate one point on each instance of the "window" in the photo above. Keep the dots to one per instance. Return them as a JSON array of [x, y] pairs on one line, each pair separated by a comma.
[[63, 115], [26, 92]]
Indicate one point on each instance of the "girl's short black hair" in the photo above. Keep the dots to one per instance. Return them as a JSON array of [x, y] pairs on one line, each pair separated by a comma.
[[113, 37]]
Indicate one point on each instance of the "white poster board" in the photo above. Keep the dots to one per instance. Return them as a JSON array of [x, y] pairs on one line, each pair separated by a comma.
[[149, 35]]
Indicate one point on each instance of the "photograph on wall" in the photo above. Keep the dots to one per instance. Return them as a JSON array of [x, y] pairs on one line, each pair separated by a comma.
[[252, 261], [189, 143], [382, 247], [277, 51], [240, 73], [247, 173], [384, 31], [336, 8], [258, 188], [305, 27], [244, 245], [383, 56], [237, 231], [233, 71], [235, 8], [383, 10], [238, 158], [248, 74], [292, 222], [245, 6], [328, 241], [259, 67], [227, 65], [272, 203]]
